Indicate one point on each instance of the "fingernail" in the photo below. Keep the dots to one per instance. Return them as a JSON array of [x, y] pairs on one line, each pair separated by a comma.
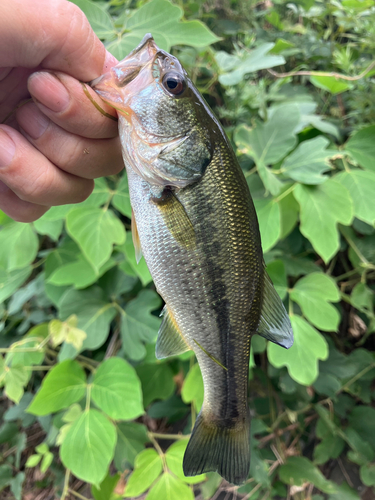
[[32, 120], [7, 149], [109, 61], [48, 90]]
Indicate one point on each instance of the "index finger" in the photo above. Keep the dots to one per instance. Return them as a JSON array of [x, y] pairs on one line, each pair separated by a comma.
[[55, 35]]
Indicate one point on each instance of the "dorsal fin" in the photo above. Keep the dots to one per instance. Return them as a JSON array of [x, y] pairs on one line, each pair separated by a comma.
[[136, 240], [170, 340], [274, 324]]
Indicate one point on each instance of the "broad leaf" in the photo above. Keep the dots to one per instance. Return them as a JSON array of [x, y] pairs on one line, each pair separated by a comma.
[[361, 147], [361, 186], [269, 142], [313, 294], [18, 246], [131, 439], [138, 325], [95, 231], [94, 314], [64, 385], [192, 390], [157, 382], [174, 458], [130, 265], [121, 199], [148, 466], [51, 228], [268, 213], [259, 58], [309, 161], [170, 488], [322, 208], [331, 83], [88, 447], [302, 358], [276, 271], [298, 470], [163, 20], [116, 390], [10, 281]]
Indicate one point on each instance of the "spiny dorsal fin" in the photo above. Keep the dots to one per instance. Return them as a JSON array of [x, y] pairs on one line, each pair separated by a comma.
[[170, 340], [136, 240], [274, 322]]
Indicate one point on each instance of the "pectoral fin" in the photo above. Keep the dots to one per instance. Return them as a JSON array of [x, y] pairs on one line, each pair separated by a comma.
[[274, 322], [136, 240], [170, 340], [176, 218]]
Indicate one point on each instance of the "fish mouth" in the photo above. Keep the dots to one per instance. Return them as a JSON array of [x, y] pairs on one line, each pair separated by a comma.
[[109, 85]]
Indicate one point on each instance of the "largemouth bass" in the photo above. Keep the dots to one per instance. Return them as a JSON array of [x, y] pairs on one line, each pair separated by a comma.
[[195, 223]]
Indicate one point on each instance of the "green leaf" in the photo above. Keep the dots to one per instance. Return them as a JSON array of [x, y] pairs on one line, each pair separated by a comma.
[[367, 473], [289, 213], [157, 382], [46, 462], [362, 419], [361, 186], [259, 58], [344, 492], [131, 439], [298, 470], [16, 485], [53, 229], [361, 147], [116, 390], [302, 358], [174, 458], [148, 466], [269, 142], [268, 213], [313, 294], [94, 314], [16, 377], [170, 488], [331, 447], [277, 273], [106, 488], [10, 281], [138, 325], [79, 273], [88, 447], [33, 460], [121, 199], [18, 246], [309, 161], [130, 266], [101, 22], [6, 475], [322, 208], [163, 20], [64, 385], [192, 390], [330, 83], [362, 298], [38, 333], [95, 231]]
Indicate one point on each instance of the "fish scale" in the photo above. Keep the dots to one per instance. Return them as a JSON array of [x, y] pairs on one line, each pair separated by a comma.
[[195, 222]]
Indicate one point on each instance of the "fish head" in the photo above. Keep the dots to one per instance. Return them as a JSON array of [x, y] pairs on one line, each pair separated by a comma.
[[165, 129]]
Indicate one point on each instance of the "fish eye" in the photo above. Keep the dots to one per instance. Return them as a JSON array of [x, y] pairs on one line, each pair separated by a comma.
[[174, 83]]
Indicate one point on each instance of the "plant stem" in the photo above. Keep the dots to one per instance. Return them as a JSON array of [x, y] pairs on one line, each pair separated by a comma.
[[66, 485], [78, 495], [159, 450], [159, 435]]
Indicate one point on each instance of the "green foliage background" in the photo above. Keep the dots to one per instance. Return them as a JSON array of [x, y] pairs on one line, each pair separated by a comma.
[[87, 408]]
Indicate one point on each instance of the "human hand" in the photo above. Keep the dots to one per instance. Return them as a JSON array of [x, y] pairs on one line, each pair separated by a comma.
[[52, 148]]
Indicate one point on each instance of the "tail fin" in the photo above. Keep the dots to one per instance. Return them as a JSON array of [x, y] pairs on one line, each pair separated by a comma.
[[220, 449]]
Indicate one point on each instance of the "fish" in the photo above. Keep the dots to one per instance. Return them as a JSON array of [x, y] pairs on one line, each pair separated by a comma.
[[195, 224]]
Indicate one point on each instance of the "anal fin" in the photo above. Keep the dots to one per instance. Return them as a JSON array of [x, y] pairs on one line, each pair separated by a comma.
[[170, 341], [136, 240], [274, 322]]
